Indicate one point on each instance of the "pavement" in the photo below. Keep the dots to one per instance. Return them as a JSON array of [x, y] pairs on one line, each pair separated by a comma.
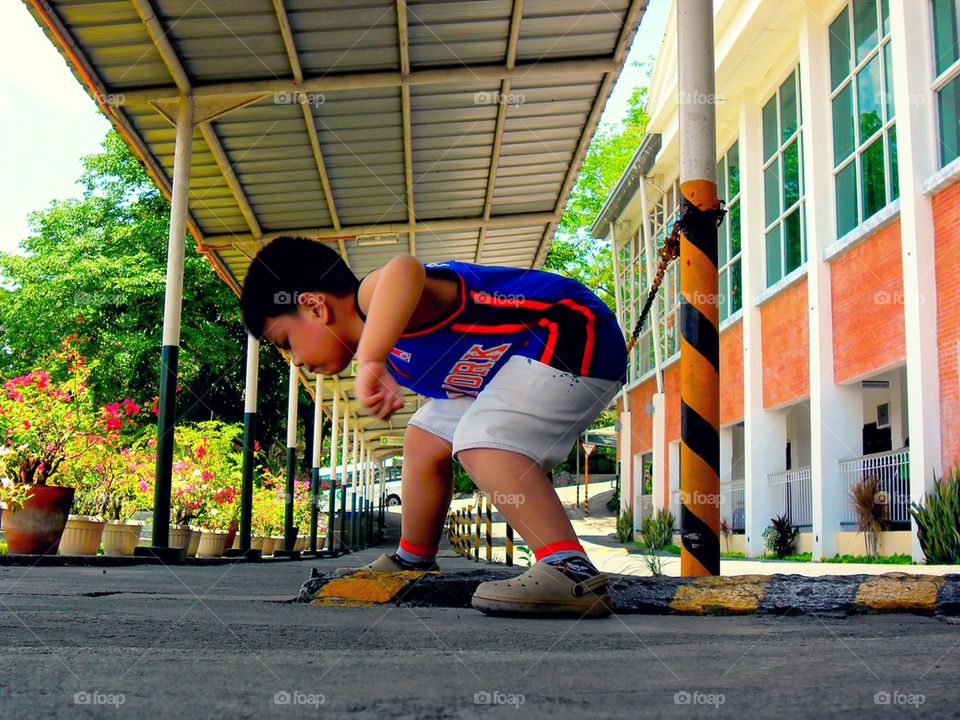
[[226, 641]]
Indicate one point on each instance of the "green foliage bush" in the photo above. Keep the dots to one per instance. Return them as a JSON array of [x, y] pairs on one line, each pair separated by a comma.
[[657, 530], [938, 520]]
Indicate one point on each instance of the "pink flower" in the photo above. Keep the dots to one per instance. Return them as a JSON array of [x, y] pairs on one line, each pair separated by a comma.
[[130, 407], [256, 446], [26, 424], [201, 451], [207, 475], [144, 486]]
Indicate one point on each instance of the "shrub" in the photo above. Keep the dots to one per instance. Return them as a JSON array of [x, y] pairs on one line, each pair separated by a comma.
[[781, 536], [625, 526], [870, 504], [938, 520], [657, 529]]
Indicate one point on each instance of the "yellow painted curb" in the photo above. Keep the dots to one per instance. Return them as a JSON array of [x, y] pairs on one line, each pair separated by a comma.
[[900, 591], [737, 594], [364, 588]]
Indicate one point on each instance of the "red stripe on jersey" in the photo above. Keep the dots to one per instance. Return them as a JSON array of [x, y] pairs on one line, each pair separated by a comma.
[[591, 321], [551, 340]]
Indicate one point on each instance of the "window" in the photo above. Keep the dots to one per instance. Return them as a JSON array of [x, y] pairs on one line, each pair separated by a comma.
[[946, 45], [728, 236], [783, 193], [662, 218], [646, 465], [864, 133]]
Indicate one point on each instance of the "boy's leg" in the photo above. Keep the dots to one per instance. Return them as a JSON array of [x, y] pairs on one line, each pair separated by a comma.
[[426, 491]]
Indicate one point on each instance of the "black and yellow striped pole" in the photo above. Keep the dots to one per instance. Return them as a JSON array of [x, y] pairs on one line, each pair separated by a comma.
[[509, 545], [489, 547], [700, 213]]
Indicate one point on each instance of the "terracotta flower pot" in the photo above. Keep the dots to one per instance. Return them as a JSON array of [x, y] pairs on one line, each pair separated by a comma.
[[232, 533], [256, 542], [82, 535], [121, 538], [277, 543], [269, 543], [213, 543], [180, 536], [301, 543], [36, 528]]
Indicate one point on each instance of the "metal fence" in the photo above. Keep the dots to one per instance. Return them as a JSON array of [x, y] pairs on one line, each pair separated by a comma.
[[892, 470], [791, 494], [732, 507]]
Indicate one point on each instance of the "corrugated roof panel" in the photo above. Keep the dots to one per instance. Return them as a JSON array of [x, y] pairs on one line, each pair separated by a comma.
[[570, 28], [458, 32]]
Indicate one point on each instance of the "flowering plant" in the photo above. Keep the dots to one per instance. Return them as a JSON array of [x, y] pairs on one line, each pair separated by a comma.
[[268, 503], [206, 474], [47, 422]]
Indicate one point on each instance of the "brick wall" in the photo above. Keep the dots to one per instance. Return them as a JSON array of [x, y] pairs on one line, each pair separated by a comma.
[[785, 346], [946, 222], [866, 292], [731, 374]]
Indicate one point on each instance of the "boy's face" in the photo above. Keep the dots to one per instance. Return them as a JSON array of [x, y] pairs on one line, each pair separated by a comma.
[[312, 335]]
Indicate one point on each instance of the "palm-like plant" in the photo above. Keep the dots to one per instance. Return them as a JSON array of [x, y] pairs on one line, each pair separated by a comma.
[[871, 506]]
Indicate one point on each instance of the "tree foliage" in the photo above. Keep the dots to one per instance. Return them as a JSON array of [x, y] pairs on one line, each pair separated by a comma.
[[94, 270], [574, 252]]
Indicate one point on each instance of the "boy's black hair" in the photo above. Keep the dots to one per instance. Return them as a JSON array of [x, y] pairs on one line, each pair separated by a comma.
[[283, 270]]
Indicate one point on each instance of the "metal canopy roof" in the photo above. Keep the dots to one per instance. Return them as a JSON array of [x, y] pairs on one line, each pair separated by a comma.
[[443, 129]]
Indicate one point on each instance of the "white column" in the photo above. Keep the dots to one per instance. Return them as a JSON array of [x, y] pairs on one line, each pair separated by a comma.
[[659, 451], [629, 483], [836, 412], [764, 432], [293, 384], [916, 132]]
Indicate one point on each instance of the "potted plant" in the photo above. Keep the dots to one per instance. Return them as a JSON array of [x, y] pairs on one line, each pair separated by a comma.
[[47, 420]]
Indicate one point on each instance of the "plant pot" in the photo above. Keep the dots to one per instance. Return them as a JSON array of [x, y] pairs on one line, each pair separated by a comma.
[[301, 543], [81, 536], [213, 543], [121, 538], [256, 542], [179, 536], [232, 533], [36, 528], [194, 544], [269, 543], [277, 543]]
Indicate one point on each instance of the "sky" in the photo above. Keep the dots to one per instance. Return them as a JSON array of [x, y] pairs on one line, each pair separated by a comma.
[[48, 123]]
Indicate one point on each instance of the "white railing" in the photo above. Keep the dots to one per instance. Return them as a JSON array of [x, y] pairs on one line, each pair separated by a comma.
[[732, 504], [891, 469], [791, 494]]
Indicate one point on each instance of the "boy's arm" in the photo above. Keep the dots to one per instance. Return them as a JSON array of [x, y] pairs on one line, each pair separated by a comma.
[[399, 287]]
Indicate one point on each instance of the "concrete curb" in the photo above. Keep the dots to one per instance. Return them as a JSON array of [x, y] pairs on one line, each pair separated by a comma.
[[732, 595]]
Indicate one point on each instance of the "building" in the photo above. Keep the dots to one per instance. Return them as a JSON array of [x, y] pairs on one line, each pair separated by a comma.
[[837, 155]]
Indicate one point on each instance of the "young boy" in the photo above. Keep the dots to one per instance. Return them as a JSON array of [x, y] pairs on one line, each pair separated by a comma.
[[517, 363]]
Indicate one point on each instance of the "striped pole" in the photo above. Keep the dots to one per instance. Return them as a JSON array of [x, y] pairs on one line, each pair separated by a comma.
[[354, 523], [315, 470], [699, 345], [489, 531], [170, 348], [509, 545], [249, 438], [334, 437], [476, 542]]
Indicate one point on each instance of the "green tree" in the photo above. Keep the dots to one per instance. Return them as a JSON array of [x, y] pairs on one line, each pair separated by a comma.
[[94, 270], [574, 252]]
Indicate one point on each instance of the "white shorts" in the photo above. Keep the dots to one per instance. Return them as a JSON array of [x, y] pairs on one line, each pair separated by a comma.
[[528, 407]]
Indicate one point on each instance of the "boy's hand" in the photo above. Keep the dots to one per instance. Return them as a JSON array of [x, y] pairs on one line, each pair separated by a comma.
[[377, 390]]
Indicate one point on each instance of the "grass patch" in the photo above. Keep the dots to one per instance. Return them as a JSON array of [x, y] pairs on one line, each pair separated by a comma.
[[667, 549], [882, 560], [733, 555]]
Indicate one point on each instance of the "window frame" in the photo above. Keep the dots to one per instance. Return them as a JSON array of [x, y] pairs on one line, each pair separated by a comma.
[[800, 205], [951, 73], [724, 233], [886, 125]]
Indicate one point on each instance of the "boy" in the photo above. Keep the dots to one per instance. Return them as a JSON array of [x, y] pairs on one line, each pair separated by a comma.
[[517, 363]]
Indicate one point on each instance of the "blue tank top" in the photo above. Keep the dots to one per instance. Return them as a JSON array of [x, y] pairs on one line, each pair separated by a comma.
[[502, 312]]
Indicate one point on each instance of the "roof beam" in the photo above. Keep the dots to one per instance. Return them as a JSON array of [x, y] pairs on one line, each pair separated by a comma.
[[377, 229], [541, 70], [512, 40], [403, 41], [630, 24], [287, 32]]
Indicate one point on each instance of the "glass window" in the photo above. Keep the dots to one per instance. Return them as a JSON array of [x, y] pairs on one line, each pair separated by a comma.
[[864, 130], [946, 42], [728, 235], [783, 197]]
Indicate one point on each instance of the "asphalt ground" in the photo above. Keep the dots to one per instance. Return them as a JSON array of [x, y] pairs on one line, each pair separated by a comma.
[[226, 641]]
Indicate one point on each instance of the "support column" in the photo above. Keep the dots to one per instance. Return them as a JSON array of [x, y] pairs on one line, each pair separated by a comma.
[[836, 412], [354, 487], [764, 431], [699, 310], [334, 437], [660, 501], [249, 440], [293, 391], [179, 208], [344, 470], [914, 103], [315, 470]]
